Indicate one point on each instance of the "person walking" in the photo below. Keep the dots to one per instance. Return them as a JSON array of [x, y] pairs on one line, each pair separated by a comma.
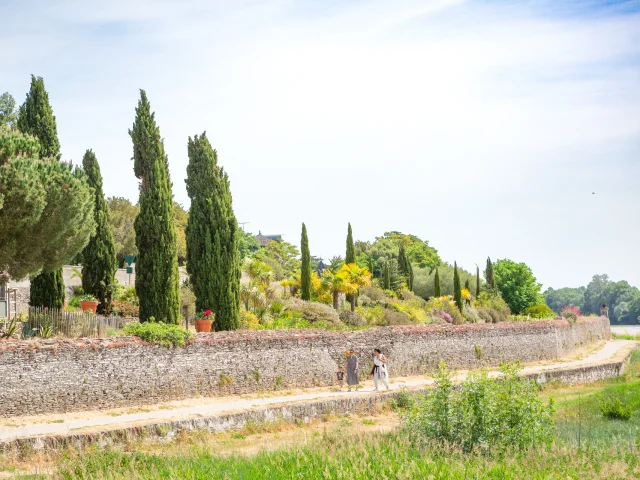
[[352, 370], [379, 369]]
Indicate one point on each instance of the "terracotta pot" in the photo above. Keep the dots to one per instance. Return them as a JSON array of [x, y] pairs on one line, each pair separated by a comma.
[[87, 305], [203, 325]]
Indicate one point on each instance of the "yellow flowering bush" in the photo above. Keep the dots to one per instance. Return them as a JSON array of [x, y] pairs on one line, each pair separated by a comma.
[[249, 321]]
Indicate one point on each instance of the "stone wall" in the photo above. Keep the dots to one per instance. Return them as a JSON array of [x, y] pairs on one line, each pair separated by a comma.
[[66, 375]]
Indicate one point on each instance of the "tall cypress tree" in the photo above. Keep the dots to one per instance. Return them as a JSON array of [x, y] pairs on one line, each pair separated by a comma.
[[99, 262], [371, 266], [351, 250], [477, 281], [157, 279], [36, 118], [457, 291], [213, 255], [387, 277], [467, 285], [410, 277], [305, 268], [436, 285], [488, 275]]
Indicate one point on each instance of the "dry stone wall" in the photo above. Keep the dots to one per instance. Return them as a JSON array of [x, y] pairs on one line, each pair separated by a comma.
[[67, 375]]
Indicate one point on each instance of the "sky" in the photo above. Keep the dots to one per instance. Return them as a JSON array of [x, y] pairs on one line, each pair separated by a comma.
[[484, 127]]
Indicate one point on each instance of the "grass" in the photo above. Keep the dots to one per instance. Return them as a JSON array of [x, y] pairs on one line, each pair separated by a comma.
[[625, 336]]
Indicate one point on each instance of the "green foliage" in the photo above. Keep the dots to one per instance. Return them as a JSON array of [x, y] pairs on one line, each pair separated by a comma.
[[492, 308], [386, 279], [539, 311], [437, 292], [482, 413], [556, 299], [305, 269], [444, 309], [281, 256], [47, 203], [424, 280], [122, 217], [613, 408], [167, 335], [477, 281], [350, 257], [99, 261], [157, 279], [247, 244], [457, 291], [36, 118], [47, 290], [8, 113], [489, 275], [213, 257], [517, 285]]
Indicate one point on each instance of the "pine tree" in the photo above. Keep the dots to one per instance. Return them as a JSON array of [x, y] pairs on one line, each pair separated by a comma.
[[157, 279], [488, 275], [36, 118], [305, 272], [99, 262], [387, 277], [47, 290], [477, 281], [436, 285], [213, 255], [457, 291]]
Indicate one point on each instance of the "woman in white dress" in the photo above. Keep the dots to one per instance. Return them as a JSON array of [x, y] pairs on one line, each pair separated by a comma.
[[380, 369]]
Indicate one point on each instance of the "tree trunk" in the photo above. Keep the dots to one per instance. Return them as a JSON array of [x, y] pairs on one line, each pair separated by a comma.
[[353, 302], [335, 299]]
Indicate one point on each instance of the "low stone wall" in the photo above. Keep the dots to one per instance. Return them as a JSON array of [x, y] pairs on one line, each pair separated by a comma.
[[70, 375]]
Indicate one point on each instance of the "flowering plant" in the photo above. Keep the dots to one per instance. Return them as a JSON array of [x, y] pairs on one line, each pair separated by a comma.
[[206, 315]]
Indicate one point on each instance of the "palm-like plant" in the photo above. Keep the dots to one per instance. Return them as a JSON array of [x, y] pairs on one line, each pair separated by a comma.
[[337, 283], [356, 276], [246, 293]]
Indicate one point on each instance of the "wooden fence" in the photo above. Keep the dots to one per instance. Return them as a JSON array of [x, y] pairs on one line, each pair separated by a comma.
[[51, 322]]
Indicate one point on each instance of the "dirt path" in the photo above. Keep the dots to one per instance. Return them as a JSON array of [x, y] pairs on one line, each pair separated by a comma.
[[21, 427]]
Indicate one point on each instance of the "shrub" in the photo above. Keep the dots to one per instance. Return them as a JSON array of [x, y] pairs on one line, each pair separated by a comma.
[[249, 321], [612, 407], [540, 311], [126, 294], [482, 412], [376, 294], [394, 317], [446, 309], [74, 302], [165, 334], [314, 312], [470, 314], [125, 309], [374, 315], [570, 313], [352, 319], [495, 302]]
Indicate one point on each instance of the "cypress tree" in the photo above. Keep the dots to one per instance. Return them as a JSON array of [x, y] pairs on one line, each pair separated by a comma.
[[36, 118], [488, 275], [477, 281], [410, 278], [351, 251], [436, 285], [387, 277], [371, 266], [157, 279], [467, 285], [305, 272], [457, 291], [47, 290], [99, 262], [213, 255]]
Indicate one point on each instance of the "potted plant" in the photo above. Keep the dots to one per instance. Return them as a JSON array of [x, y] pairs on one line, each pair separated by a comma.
[[204, 320], [88, 303]]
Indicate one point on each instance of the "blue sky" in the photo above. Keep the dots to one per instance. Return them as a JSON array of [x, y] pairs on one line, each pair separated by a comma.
[[483, 127]]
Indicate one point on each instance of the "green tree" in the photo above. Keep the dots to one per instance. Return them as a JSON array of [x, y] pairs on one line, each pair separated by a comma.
[[99, 261], [8, 114], [467, 285], [281, 256], [180, 219], [213, 256], [517, 285], [305, 272], [557, 299], [386, 283], [47, 290], [36, 118], [489, 276], [350, 257], [48, 205], [122, 217], [157, 279], [457, 291], [477, 281], [247, 244], [410, 276], [436, 286], [370, 265]]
